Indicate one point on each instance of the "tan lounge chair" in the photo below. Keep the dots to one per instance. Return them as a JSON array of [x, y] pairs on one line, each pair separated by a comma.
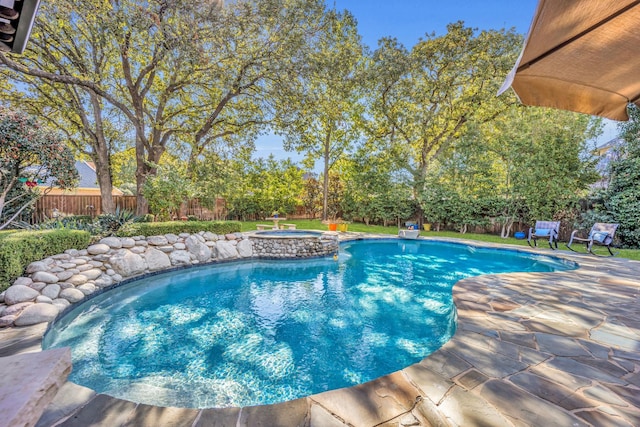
[[547, 230], [601, 234]]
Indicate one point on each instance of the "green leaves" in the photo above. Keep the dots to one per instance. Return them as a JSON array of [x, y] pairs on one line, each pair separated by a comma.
[[28, 150]]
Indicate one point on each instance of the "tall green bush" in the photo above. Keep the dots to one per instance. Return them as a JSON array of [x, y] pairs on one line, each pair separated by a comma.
[[18, 250], [622, 198]]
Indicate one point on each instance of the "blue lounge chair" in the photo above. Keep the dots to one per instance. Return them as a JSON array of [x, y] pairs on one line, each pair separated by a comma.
[[547, 230], [601, 234]]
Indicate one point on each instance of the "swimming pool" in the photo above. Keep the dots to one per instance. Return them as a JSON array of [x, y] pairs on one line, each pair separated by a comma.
[[268, 331]]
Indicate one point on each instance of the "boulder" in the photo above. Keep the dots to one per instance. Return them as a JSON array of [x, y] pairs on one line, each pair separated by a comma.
[[179, 246], [92, 274], [156, 260], [19, 293], [245, 248], [103, 281], [157, 240], [64, 275], [179, 257], [112, 242], [14, 310], [126, 263], [26, 281], [230, 236], [38, 286], [226, 250], [52, 291], [198, 249], [209, 236], [43, 299], [72, 295], [87, 288], [43, 276], [128, 242], [36, 313], [171, 238], [7, 320], [77, 280], [61, 303], [99, 248], [36, 266]]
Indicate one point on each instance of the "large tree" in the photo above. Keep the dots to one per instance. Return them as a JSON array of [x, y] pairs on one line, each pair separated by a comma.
[[89, 124], [181, 71], [425, 97], [325, 118], [527, 164]]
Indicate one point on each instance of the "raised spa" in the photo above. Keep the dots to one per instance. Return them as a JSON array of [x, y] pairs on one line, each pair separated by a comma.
[[259, 332], [293, 243]]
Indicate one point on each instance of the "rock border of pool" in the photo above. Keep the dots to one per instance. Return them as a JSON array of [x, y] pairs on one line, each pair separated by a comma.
[[558, 348]]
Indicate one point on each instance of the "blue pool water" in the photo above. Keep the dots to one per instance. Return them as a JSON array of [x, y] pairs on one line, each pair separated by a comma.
[[263, 332]]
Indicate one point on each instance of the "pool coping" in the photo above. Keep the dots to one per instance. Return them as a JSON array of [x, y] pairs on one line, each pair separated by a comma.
[[526, 352]]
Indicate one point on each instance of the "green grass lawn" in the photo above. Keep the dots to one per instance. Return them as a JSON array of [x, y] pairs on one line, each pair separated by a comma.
[[309, 224]]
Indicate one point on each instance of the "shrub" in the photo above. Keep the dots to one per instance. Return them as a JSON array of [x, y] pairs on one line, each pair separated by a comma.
[[147, 218], [177, 227], [110, 223], [21, 248]]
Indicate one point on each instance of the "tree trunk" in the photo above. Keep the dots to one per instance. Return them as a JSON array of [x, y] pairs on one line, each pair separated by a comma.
[[142, 206], [325, 183], [103, 173], [505, 231], [100, 156]]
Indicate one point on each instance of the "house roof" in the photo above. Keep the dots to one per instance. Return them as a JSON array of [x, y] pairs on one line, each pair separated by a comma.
[[88, 179], [88, 176]]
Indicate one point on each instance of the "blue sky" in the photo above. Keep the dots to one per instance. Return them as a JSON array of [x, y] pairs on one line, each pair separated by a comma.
[[410, 20]]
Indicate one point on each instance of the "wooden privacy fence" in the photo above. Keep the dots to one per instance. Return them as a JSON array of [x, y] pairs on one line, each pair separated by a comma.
[[49, 206]]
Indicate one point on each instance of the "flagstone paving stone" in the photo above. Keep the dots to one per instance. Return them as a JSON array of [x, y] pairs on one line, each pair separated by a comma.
[[221, 417], [550, 391], [531, 349], [153, 416], [518, 405]]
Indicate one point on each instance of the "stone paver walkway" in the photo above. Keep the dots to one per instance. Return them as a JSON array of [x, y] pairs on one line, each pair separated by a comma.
[[531, 349]]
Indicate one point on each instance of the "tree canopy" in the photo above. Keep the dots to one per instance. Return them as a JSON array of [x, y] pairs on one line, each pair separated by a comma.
[[30, 155]]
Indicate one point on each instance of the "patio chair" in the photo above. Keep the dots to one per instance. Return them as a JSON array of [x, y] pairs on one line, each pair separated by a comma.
[[411, 232], [547, 230], [601, 234]]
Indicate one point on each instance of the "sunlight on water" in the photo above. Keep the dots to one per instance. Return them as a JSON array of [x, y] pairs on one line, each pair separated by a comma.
[[263, 332]]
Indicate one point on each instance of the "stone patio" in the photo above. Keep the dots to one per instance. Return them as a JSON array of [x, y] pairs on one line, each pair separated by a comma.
[[531, 349]]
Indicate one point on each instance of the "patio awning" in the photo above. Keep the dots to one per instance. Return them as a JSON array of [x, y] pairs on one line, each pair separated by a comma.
[[581, 55]]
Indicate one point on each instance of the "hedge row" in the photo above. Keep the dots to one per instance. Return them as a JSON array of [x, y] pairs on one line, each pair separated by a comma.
[[19, 249], [177, 227]]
